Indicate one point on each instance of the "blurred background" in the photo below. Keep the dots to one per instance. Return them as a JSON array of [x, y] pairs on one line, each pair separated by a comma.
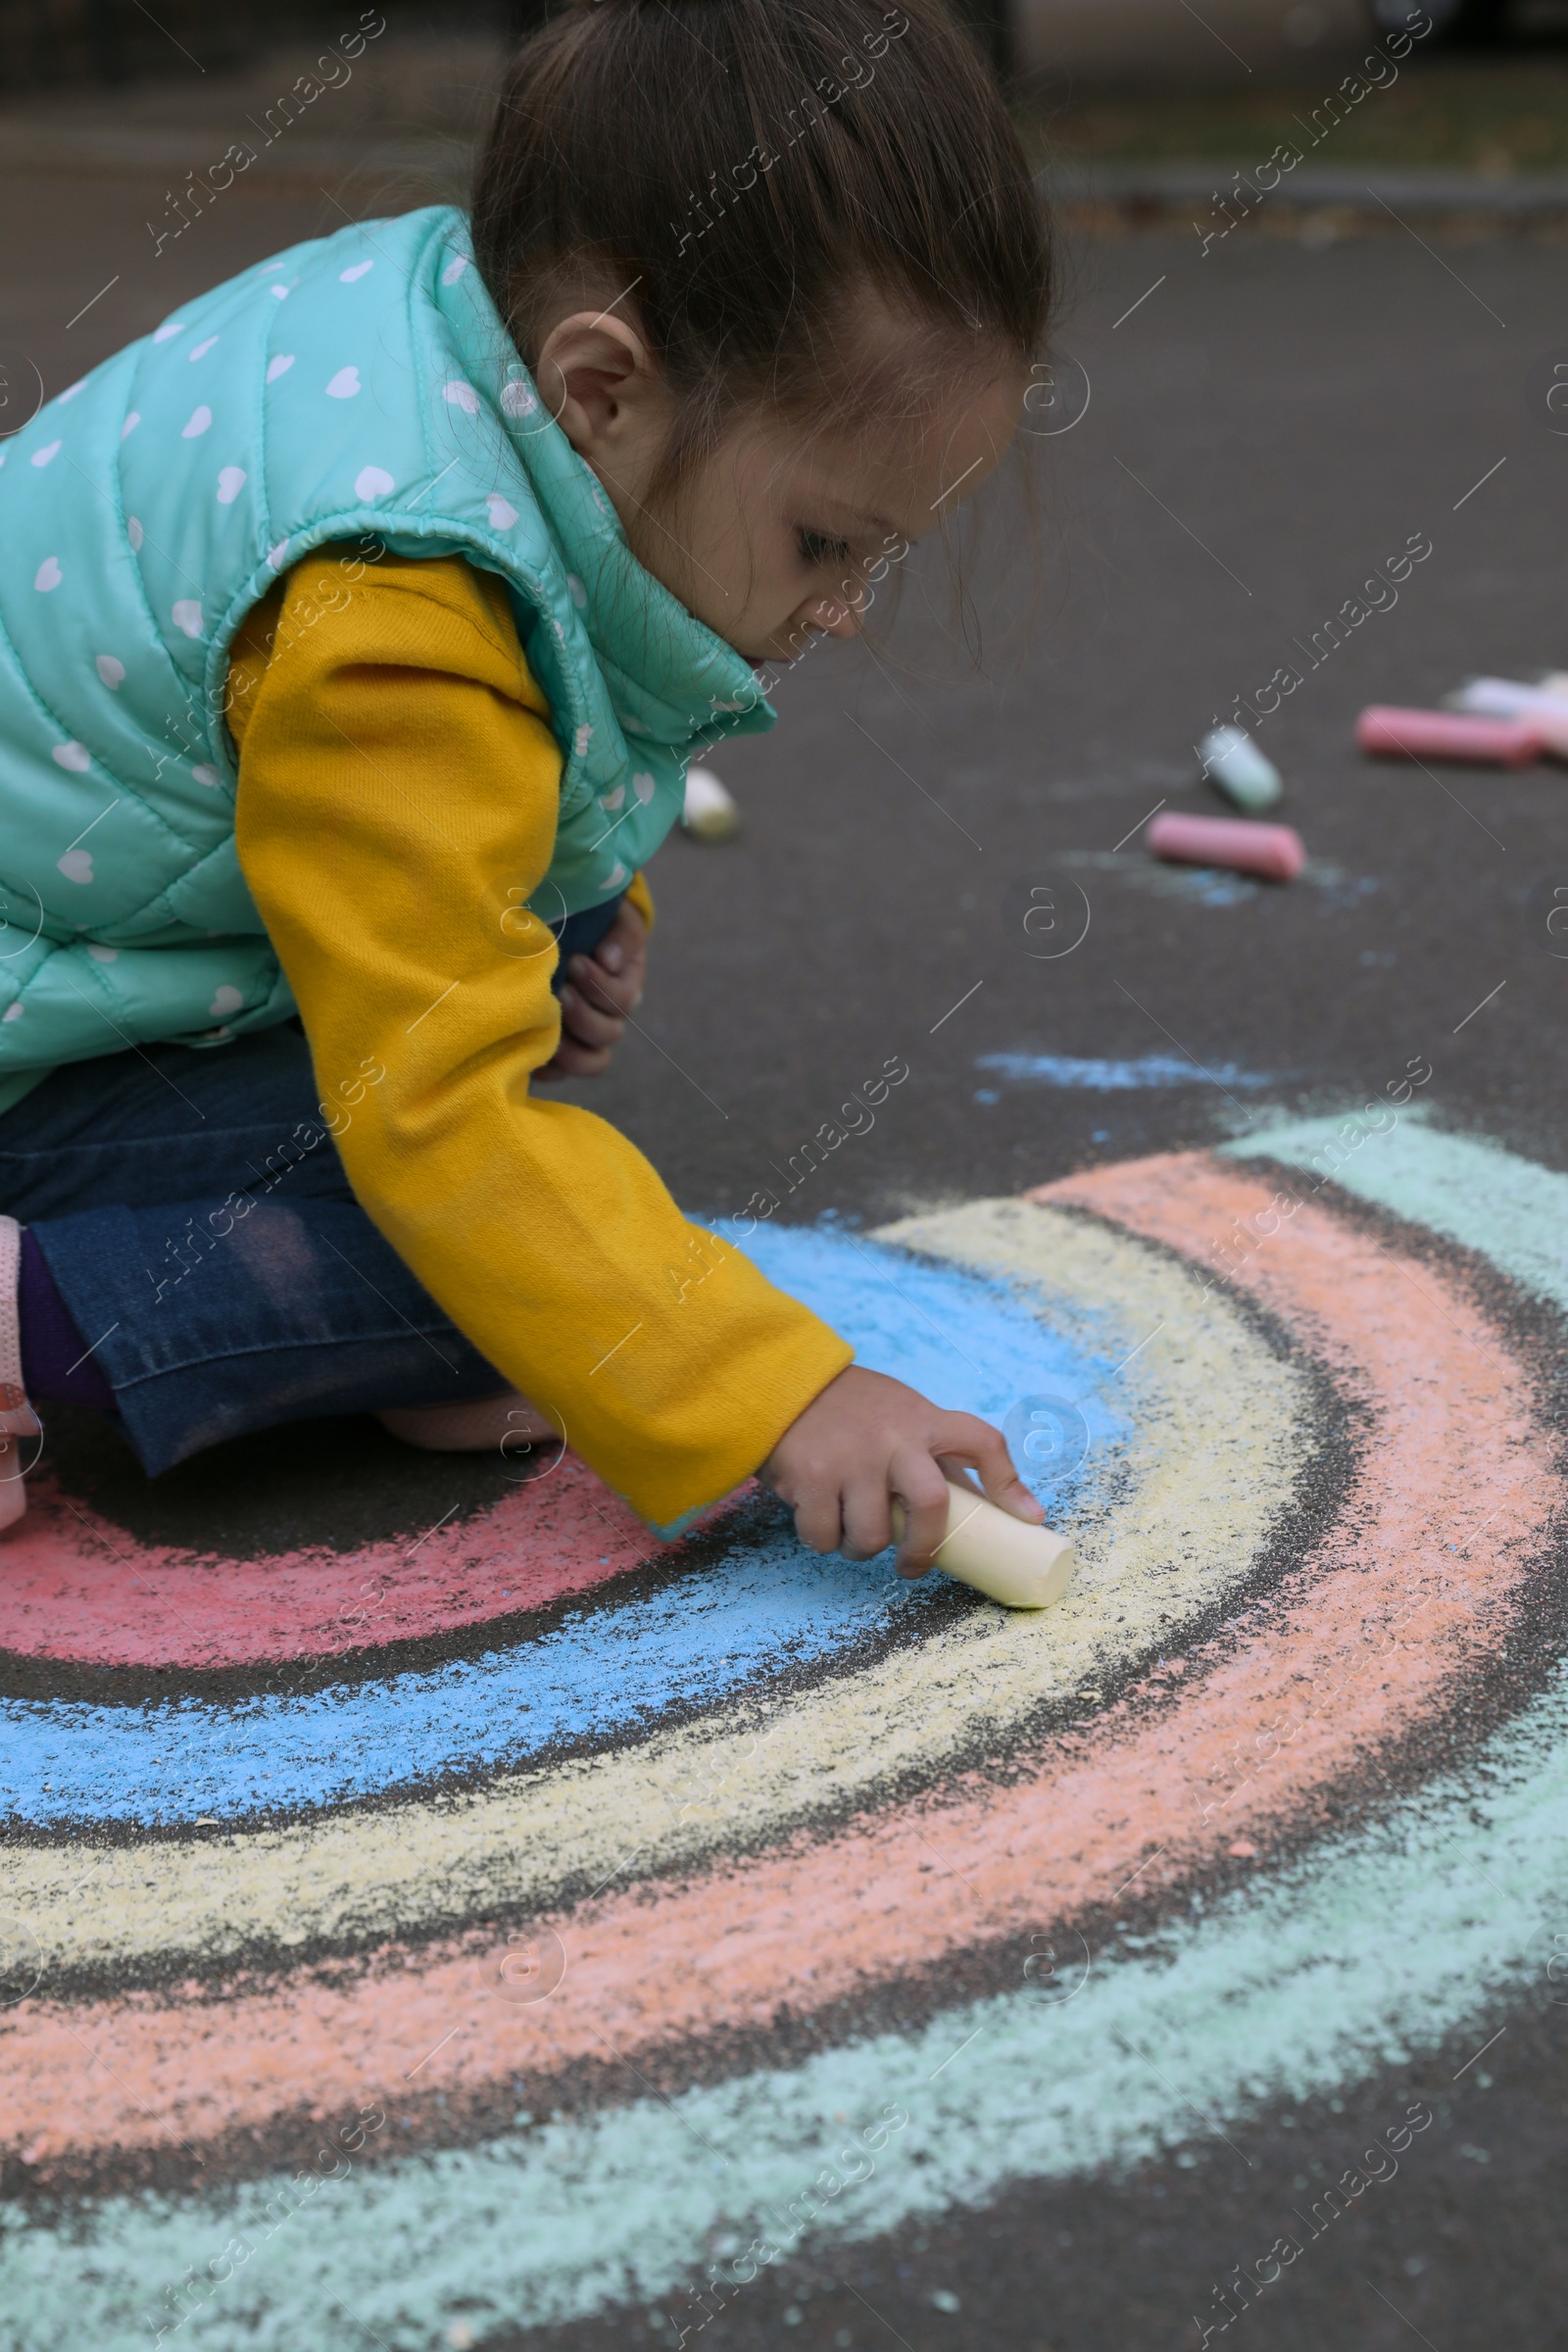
[[1122, 79]]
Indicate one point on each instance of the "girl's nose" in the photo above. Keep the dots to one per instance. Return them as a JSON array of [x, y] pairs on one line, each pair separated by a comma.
[[835, 617]]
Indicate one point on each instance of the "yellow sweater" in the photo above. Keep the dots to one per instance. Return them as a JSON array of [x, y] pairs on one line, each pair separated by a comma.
[[398, 792]]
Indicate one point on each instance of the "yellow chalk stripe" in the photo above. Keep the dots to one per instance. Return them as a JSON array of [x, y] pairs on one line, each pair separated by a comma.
[[1173, 1520]]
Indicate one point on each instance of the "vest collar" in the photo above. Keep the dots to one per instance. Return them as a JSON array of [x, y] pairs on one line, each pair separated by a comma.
[[670, 679]]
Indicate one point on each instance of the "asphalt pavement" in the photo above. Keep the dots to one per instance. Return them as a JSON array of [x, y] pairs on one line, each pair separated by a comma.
[[1267, 426], [1241, 438]]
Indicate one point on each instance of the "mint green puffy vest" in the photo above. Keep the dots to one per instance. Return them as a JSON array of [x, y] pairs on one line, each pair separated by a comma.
[[360, 385]]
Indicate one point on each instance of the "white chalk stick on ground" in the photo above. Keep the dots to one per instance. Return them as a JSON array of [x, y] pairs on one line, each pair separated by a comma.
[[710, 811], [1237, 765], [1023, 1567], [1505, 698]]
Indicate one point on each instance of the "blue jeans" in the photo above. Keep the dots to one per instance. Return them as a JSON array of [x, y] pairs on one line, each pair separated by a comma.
[[196, 1218]]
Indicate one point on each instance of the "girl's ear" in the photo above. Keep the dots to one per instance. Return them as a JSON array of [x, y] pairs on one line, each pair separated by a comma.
[[598, 378]]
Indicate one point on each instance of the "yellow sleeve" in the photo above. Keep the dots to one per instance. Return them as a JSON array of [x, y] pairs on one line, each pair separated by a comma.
[[642, 898], [398, 794]]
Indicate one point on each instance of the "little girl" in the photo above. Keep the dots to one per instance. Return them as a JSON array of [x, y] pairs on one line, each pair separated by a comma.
[[360, 625]]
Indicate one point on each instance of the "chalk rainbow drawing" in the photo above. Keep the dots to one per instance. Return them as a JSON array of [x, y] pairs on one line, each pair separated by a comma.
[[515, 1946]]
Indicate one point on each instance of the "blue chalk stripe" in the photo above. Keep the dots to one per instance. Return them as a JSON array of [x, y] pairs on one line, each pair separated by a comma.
[[606, 1672], [1115, 1077]]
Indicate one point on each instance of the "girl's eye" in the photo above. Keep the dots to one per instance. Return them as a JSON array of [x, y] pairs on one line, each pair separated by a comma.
[[815, 548]]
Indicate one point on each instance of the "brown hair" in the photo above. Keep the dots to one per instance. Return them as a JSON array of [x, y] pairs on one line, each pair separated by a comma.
[[746, 168]]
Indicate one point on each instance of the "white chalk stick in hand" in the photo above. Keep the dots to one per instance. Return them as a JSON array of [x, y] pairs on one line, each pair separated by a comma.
[[1022, 1566]]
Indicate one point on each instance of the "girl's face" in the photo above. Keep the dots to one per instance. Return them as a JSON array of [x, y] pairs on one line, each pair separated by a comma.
[[772, 537]]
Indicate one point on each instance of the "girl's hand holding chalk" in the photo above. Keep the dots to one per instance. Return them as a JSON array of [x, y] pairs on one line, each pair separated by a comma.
[[1022, 1567], [868, 1447]]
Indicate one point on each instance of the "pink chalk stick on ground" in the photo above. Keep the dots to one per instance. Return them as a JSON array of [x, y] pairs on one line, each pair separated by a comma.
[[1274, 851], [1551, 727], [1393, 734]]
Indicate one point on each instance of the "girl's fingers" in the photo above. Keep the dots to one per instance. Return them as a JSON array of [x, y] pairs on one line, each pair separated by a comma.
[[597, 987], [817, 1520], [587, 1022], [571, 1060], [868, 1529], [812, 1496], [984, 1449], [625, 943], [923, 1491], [1012, 1496]]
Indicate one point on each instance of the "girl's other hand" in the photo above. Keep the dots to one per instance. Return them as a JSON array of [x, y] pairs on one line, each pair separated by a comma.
[[866, 1439], [596, 996]]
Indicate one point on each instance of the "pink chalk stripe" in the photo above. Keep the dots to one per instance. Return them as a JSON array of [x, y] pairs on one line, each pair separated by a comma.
[[74, 1586], [1361, 1642]]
